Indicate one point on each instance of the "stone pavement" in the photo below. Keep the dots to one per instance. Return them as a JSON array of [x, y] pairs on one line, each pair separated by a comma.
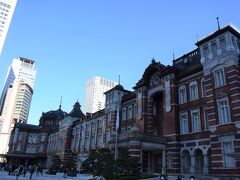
[[59, 176]]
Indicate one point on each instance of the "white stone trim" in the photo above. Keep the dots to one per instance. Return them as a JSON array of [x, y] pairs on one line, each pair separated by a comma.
[[236, 94], [236, 81]]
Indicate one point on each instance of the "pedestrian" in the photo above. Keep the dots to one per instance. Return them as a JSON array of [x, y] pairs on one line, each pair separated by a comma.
[[25, 171], [40, 170], [19, 171], [64, 172], [192, 177], [9, 169], [31, 170], [161, 177], [37, 170], [179, 177]]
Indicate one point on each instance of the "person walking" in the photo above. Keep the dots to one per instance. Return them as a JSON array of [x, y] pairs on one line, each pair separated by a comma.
[[64, 172], [25, 171], [31, 170], [19, 171]]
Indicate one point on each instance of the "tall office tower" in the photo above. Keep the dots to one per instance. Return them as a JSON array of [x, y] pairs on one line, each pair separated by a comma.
[[16, 97], [7, 8], [95, 98]]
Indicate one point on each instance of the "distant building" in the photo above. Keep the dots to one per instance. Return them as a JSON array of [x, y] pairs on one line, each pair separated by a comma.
[[95, 98], [7, 8], [28, 143], [16, 97]]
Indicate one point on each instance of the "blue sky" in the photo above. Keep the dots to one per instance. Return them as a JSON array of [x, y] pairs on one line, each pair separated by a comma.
[[73, 40]]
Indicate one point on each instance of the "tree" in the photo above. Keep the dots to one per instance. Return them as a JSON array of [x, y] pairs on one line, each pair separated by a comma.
[[127, 165], [71, 165], [71, 162], [55, 164], [100, 162], [104, 163], [88, 165]]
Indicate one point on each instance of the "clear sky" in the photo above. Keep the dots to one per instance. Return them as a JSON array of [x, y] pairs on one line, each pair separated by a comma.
[[73, 40]]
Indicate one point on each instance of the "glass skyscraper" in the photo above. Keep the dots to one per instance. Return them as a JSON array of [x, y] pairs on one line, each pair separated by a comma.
[[95, 97], [16, 97], [7, 8]]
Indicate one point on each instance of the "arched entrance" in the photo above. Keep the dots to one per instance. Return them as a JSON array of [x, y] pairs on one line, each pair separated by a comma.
[[186, 161], [157, 113], [198, 161]]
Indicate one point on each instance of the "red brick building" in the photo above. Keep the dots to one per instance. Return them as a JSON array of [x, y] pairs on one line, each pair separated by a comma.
[[182, 118], [185, 117]]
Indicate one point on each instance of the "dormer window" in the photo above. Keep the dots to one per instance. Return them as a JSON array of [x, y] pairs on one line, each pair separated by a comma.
[[223, 43], [214, 47], [234, 42], [205, 51]]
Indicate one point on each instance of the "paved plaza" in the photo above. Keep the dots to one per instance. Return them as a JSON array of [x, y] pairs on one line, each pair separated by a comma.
[[59, 176], [5, 176]]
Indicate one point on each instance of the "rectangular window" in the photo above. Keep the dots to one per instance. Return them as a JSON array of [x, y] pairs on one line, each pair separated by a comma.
[[183, 123], [134, 110], [206, 118], [205, 51], [234, 42], [130, 112], [100, 123], [124, 114], [214, 47], [196, 126], [109, 116], [193, 91], [108, 135], [182, 95], [223, 43], [219, 78], [203, 88], [223, 110], [228, 149]]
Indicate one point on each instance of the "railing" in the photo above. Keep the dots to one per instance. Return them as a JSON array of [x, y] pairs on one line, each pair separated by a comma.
[[141, 136]]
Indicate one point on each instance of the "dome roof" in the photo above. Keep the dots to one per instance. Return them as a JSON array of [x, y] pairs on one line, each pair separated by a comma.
[[53, 115], [119, 87], [76, 111]]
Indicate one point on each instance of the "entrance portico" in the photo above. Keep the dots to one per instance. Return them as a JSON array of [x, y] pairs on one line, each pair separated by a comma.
[[153, 158]]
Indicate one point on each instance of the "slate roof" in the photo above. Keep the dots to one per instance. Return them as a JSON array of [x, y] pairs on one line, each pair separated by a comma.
[[76, 111]]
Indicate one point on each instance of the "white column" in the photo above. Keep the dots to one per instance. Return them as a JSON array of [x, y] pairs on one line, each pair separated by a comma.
[[205, 164], [193, 164], [182, 164], [163, 161]]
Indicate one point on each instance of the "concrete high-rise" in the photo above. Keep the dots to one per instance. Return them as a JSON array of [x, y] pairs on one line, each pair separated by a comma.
[[7, 8], [95, 97], [16, 97]]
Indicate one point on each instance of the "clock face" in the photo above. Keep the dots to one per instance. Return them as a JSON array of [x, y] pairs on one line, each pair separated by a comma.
[[155, 79]]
